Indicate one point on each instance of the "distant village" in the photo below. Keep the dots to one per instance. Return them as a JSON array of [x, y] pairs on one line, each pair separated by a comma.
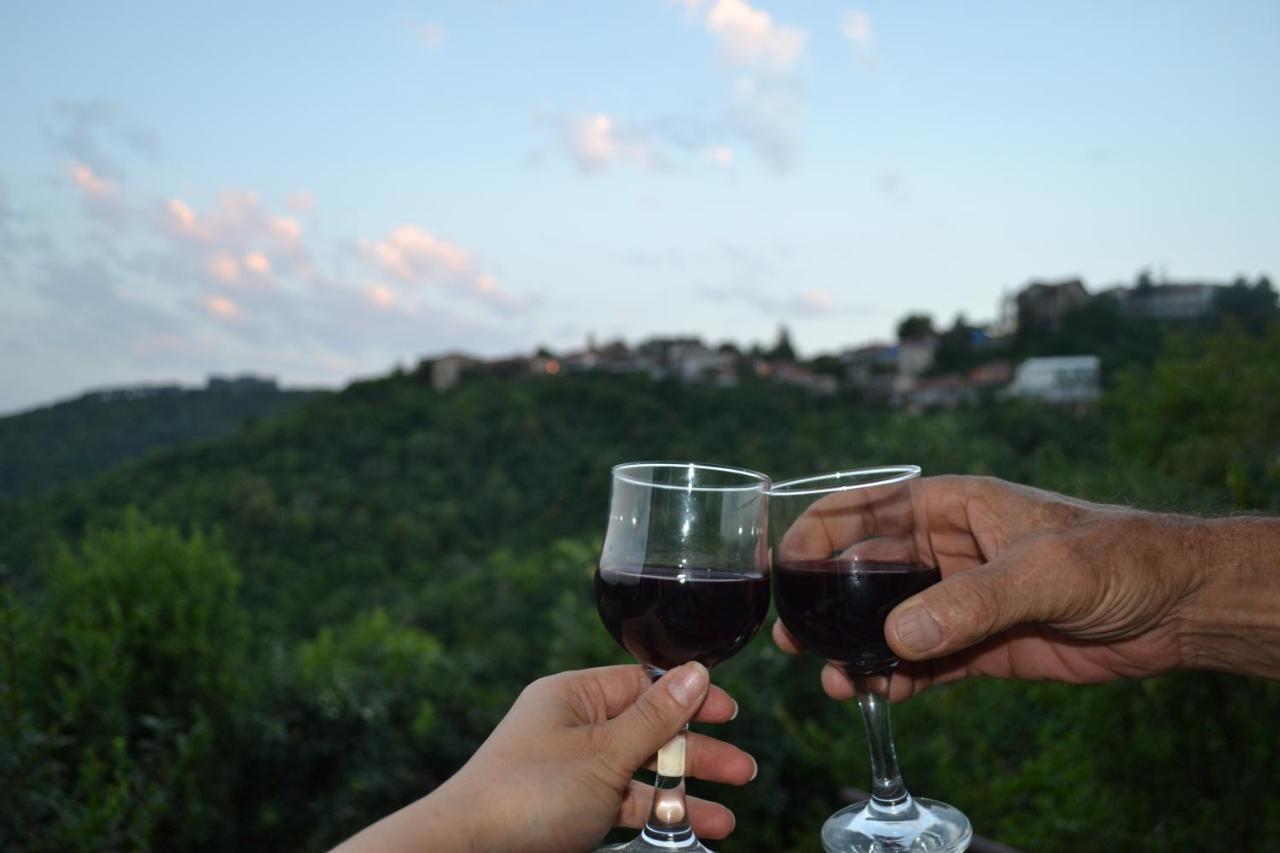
[[902, 374]]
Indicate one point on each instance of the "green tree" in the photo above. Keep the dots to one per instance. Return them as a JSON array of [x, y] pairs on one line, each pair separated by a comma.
[[782, 349], [915, 326], [130, 668], [1209, 413]]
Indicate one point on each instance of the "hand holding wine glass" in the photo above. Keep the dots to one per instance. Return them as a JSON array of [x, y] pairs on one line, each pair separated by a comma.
[[1038, 585], [556, 773]]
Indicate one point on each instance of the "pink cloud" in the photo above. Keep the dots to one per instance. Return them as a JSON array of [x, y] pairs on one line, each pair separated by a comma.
[[222, 307], [381, 296], [91, 184], [598, 142], [181, 221], [749, 35], [257, 263], [285, 229], [416, 256], [224, 267], [301, 201]]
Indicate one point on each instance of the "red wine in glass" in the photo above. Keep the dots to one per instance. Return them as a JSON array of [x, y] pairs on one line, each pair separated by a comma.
[[848, 548], [837, 608], [669, 615], [683, 576]]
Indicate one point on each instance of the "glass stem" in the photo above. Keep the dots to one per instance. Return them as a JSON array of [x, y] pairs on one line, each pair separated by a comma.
[[888, 793], [668, 823]]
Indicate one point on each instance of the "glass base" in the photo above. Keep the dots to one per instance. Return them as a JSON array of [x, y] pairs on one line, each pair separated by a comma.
[[916, 826], [644, 843]]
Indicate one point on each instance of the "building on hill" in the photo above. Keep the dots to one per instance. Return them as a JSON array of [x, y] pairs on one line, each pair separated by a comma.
[[1044, 303], [1185, 301], [790, 373], [992, 374], [871, 369], [447, 370], [1072, 380]]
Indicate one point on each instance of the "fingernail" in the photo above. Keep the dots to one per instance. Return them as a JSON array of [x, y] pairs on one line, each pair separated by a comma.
[[688, 683], [734, 715], [917, 629], [755, 769]]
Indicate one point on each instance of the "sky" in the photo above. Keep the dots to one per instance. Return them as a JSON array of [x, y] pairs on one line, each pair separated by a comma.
[[322, 191]]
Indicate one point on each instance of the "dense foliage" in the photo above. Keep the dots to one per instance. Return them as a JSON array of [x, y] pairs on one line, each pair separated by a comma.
[[268, 641], [59, 444]]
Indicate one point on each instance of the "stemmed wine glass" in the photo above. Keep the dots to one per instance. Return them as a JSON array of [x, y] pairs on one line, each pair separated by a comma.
[[683, 576], [847, 549]]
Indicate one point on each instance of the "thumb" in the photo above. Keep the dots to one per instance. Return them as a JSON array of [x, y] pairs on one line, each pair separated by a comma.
[[968, 607], [658, 714]]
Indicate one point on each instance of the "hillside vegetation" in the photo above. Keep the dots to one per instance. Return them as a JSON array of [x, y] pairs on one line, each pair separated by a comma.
[[266, 641], [61, 443]]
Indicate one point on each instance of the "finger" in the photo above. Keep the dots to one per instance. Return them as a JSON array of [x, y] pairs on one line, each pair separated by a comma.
[[1024, 585], [709, 820], [834, 522], [835, 683], [910, 679], [715, 761], [783, 638], [719, 707], [657, 715]]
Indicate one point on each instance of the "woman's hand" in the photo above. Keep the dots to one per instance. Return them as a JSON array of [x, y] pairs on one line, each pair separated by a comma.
[[556, 774]]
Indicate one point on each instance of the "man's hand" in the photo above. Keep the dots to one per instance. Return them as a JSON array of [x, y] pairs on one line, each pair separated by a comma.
[[1040, 586], [555, 774]]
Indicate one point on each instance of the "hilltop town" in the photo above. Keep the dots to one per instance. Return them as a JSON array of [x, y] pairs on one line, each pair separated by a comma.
[[1051, 342]]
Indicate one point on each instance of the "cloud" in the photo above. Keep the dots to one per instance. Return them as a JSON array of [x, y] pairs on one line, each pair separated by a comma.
[[88, 131], [721, 155], [597, 143], [812, 302], [766, 103], [222, 307], [428, 34], [92, 185], [257, 263], [855, 26], [222, 282], [301, 201], [224, 268], [238, 226], [101, 196], [413, 255], [750, 36], [768, 112], [381, 296]]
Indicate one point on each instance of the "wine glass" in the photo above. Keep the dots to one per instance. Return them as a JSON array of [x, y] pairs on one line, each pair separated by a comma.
[[683, 576], [848, 548]]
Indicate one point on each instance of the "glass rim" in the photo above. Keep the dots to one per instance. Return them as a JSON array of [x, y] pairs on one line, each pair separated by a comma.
[[893, 474], [760, 482]]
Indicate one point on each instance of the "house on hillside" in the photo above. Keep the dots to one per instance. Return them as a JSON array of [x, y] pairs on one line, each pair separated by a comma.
[[1043, 303], [1072, 380], [447, 370], [1187, 301], [790, 373], [871, 370]]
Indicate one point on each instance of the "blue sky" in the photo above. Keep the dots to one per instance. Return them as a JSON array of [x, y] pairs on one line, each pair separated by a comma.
[[319, 192]]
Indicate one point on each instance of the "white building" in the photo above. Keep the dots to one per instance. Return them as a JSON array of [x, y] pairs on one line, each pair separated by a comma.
[[1069, 379]]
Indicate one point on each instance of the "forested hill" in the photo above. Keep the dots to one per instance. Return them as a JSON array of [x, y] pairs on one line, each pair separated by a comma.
[[64, 442], [264, 641]]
